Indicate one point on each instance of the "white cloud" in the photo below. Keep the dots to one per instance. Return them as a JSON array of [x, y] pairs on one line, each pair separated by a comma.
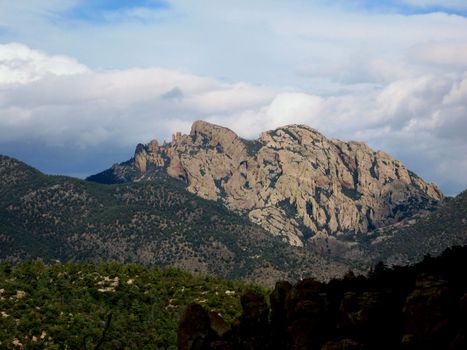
[[66, 103], [265, 42], [403, 96], [228, 98], [20, 64], [397, 81], [458, 92], [442, 53], [69, 106], [295, 108]]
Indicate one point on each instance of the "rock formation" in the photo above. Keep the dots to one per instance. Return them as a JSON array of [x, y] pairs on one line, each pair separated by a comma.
[[292, 181], [418, 307]]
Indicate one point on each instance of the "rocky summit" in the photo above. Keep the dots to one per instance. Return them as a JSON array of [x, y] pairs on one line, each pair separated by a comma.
[[292, 181]]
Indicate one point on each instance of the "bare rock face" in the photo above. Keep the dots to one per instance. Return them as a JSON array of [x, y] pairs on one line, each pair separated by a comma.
[[149, 154], [292, 181]]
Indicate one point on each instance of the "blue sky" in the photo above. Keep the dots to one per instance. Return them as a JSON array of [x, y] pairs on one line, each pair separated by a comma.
[[408, 7], [91, 79], [99, 11]]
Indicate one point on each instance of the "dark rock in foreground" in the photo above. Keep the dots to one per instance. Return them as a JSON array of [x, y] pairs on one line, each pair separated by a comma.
[[418, 307]]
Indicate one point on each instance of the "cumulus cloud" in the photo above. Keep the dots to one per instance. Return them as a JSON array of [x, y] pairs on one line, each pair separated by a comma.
[[67, 103], [264, 41], [20, 64], [294, 108]]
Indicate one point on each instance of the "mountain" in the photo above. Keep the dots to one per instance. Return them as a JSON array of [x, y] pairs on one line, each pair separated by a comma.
[[151, 222], [289, 205], [427, 233], [292, 181]]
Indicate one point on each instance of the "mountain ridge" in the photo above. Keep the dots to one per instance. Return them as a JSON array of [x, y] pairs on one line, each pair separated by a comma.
[[160, 223], [292, 181], [154, 223]]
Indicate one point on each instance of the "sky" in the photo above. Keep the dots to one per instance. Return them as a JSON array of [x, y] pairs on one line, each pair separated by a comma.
[[83, 82]]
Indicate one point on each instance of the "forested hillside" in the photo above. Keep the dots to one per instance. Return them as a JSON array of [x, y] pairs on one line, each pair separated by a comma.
[[430, 233], [153, 223], [119, 306]]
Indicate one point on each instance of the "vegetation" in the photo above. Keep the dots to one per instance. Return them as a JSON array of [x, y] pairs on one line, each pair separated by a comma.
[[153, 222], [408, 241], [252, 146], [423, 306], [122, 306]]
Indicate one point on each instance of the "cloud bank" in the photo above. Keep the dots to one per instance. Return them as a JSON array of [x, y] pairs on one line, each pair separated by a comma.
[[82, 83], [57, 102]]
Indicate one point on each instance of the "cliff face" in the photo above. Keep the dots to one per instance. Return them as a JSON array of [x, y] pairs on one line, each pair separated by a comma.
[[292, 181]]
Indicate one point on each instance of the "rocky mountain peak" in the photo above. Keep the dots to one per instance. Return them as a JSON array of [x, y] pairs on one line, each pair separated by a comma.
[[223, 139], [293, 181], [298, 130], [291, 135], [201, 127]]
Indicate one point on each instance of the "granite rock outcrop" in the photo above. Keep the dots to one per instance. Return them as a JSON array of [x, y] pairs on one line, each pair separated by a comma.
[[292, 181]]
